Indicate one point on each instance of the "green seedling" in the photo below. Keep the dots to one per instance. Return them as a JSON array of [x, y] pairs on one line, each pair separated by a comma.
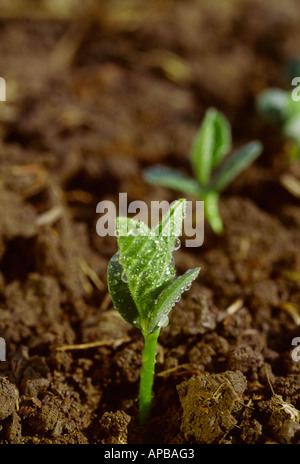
[[143, 287], [279, 108], [213, 169]]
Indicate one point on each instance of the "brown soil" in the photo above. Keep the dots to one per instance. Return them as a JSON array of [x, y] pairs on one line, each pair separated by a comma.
[[95, 94]]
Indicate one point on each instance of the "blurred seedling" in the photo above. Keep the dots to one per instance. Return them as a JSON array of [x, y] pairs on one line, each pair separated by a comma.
[[213, 167], [143, 287], [279, 108]]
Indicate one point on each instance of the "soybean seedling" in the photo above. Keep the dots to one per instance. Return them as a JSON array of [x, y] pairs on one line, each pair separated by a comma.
[[212, 171], [143, 287], [281, 108]]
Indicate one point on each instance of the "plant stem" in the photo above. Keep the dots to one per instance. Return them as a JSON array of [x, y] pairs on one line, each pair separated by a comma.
[[211, 209], [147, 375]]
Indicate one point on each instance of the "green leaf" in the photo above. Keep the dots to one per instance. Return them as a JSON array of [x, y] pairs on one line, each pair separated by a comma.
[[173, 179], [235, 164], [169, 297], [171, 224], [222, 138], [212, 142], [120, 293], [201, 154], [146, 255]]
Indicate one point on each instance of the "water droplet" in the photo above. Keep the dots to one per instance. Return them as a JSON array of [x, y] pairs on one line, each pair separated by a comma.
[[177, 244], [122, 259], [187, 287], [163, 322], [136, 322], [124, 277]]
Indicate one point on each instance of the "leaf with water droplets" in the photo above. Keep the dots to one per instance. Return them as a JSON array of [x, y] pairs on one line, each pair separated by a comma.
[[169, 297], [146, 255], [120, 292], [141, 276]]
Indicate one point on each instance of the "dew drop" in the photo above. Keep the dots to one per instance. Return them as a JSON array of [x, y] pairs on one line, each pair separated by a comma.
[[163, 322], [124, 277], [172, 262], [136, 322], [177, 244]]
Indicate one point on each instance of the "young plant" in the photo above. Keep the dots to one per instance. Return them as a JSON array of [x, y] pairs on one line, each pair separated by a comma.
[[143, 287], [279, 108], [212, 171]]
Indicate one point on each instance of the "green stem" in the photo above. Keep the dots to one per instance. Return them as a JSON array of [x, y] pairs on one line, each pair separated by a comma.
[[147, 375], [211, 209]]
